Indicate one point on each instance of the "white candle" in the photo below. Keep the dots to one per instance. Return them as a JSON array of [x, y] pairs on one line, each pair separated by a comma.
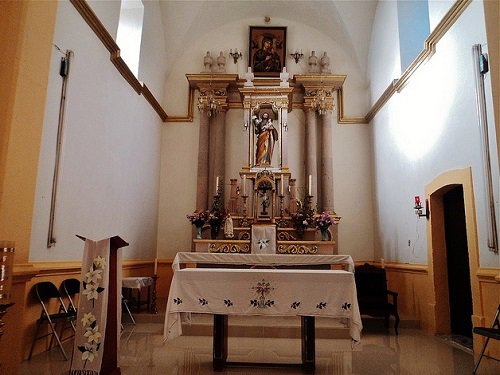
[[282, 184], [156, 266], [217, 185], [310, 184], [244, 184]]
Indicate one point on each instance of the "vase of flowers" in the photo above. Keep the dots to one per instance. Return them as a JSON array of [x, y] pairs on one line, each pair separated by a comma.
[[301, 221], [323, 222], [198, 219]]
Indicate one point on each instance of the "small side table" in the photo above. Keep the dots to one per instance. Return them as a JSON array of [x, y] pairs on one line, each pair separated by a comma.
[[137, 283]]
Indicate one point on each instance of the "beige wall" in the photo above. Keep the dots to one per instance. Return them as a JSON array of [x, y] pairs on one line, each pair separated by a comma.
[[26, 36]]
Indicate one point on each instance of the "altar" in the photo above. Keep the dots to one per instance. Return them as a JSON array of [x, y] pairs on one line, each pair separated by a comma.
[[293, 208], [271, 291]]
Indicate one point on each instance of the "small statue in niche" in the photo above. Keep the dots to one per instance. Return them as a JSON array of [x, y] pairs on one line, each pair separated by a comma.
[[221, 62], [325, 64], [265, 203], [228, 227], [313, 63], [267, 135], [208, 62]]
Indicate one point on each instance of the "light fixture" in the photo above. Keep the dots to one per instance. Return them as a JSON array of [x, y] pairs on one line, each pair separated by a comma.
[[419, 210], [297, 55], [236, 55], [208, 103], [322, 101]]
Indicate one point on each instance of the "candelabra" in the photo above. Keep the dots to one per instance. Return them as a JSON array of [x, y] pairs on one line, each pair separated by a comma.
[[297, 55], [236, 55], [244, 221], [282, 223]]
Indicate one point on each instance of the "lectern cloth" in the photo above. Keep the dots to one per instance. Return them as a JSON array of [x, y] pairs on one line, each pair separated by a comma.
[[92, 309], [276, 292]]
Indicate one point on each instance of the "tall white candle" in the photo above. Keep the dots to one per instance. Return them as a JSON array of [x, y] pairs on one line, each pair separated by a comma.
[[310, 184], [244, 184], [217, 185], [156, 266], [282, 184]]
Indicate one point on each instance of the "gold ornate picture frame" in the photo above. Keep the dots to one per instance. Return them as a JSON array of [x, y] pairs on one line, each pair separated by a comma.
[[267, 50]]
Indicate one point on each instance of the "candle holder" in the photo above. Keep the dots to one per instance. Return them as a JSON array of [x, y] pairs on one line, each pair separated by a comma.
[[153, 309], [308, 201], [282, 223], [244, 221]]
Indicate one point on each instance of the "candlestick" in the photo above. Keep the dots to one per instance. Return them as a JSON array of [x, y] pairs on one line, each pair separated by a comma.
[[244, 184], [310, 184], [282, 184], [153, 308]]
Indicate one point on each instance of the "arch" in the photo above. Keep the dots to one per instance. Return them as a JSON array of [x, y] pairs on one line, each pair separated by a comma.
[[436, 245]]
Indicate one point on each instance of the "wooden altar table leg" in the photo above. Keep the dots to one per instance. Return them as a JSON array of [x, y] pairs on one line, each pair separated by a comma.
[[220, 342], [308, 343]]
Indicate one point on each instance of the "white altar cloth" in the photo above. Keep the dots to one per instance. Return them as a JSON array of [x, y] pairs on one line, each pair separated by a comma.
[[262, 259], [278, 292]]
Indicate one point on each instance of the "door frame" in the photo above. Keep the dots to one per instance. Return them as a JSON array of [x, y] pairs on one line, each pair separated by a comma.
[[436, 246]]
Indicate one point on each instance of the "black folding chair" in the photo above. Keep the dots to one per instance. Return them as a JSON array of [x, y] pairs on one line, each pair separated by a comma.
[[70, 289], [492, 332], [49, 297]]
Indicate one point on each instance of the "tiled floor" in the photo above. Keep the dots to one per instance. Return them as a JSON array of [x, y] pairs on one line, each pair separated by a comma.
[[143, 352]]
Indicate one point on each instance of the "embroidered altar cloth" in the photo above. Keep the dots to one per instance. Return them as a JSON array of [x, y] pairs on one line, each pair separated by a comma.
[[269, 260], [276, 292]]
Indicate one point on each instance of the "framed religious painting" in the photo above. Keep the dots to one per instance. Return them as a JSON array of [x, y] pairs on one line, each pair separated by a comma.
[[267, 50]]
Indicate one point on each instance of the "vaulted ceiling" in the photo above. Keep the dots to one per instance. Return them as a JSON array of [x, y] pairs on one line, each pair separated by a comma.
[[348, 22]]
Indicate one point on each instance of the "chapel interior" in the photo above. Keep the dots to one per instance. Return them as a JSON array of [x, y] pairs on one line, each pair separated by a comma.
[[361, 134]]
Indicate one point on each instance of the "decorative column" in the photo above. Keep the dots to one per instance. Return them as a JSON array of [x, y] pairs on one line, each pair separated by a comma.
[[327, 162], [212, 104], [217, 151], [311, 167], [318, 98], [202, 180]]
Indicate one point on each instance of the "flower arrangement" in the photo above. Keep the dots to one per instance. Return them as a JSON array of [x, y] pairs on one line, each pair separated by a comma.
[[215, 217], [198, 218], [324, 220], [302, 219]]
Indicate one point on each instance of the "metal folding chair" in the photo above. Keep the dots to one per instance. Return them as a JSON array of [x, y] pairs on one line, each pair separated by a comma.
[[46, 294], [70, 289], [492, 332]]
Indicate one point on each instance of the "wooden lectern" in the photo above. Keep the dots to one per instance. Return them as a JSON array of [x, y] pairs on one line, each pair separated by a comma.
[[110, 353]]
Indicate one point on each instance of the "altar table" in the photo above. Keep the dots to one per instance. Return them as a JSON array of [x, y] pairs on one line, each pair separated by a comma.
[[274, 292]]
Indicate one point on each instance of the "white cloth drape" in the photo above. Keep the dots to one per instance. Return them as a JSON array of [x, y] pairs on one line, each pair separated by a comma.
[[92, 309]]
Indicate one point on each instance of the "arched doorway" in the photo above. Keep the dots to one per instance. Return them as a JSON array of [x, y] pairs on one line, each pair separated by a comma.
[[457, 260], [453, 251]]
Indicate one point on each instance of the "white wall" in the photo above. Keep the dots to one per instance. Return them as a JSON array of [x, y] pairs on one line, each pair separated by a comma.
[[428, 128], [109, 178], [352, 165]]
